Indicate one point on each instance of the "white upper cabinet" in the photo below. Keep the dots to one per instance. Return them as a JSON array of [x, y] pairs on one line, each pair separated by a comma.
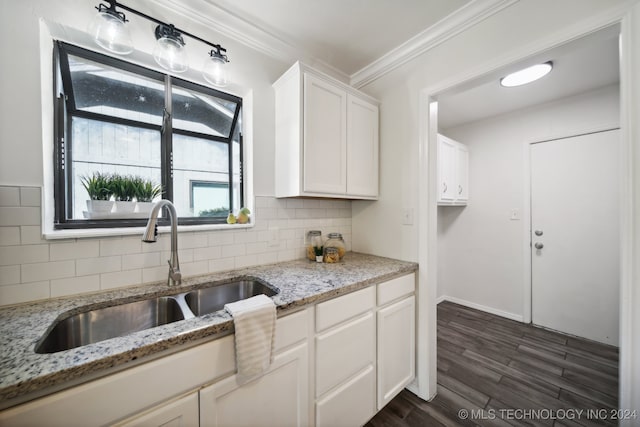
[[326, 137], [453, 172]]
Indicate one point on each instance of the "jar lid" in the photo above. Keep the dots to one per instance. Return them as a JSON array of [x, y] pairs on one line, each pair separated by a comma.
[[334, 235], [314, 233]]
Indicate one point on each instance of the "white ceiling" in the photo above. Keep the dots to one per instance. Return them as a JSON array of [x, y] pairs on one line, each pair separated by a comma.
[[345, 34], [579, 66]]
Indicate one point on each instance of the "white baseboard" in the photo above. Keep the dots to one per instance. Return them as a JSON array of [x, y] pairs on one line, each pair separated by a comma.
[[491, 310]]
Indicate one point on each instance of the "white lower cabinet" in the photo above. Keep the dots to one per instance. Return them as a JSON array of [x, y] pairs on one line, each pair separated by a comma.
[[335, 364], [182, 412], [279, 398], [396, 349], [351, 404]]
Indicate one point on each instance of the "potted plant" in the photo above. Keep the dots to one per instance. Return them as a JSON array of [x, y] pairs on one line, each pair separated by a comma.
[[145, 193], [124, 192], [99, 189]]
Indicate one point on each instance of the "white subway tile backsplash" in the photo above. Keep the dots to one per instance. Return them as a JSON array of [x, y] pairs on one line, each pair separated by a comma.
[[75, 285], [223, 264], [119, 279], [193, 240], [9, 275], [30, 196], [133, 261], [212, 252], [120, 246], [9, 236], [31, 235], [9, 196], [74, 250], [47, 271], [88, 266], [10, 215], [56, 268], [194, 268], [155, 274], [24, 292], [10, 255]]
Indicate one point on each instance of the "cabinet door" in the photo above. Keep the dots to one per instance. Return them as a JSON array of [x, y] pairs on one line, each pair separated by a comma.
[[325, 137], [362, 147], [279, 398], [182, 412], [462, 173], [351, 404], [396, 349], [343, 351], [446, 169]]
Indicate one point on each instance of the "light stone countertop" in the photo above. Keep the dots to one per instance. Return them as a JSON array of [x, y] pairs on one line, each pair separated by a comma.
[[300, 283]]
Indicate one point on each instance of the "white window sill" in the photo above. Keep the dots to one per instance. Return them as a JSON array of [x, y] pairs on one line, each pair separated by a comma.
[[129, 231]]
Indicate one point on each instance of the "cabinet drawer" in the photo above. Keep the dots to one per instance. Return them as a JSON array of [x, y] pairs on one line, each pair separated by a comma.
[[291, 329], [352, 404], [338, 310], [343, 351], [396, 288]]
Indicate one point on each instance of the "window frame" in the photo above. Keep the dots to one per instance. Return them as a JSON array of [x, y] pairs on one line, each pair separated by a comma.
[[64, 111]]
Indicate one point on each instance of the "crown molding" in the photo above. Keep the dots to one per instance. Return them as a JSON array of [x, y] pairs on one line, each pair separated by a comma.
[[453, 24], [237, 28]]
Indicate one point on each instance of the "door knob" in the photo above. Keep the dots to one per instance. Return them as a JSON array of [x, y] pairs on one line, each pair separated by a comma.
[[538, 232], [538, 245]]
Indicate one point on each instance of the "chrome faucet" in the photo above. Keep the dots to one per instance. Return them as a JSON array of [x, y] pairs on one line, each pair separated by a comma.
[[151, 233]]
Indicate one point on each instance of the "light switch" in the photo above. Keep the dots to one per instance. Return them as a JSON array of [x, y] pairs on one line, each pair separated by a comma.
[[515, 215], [407, 216]]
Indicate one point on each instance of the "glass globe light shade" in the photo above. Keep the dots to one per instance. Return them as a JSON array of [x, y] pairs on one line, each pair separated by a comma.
[[110, 32], [170, 54], [215, 71]]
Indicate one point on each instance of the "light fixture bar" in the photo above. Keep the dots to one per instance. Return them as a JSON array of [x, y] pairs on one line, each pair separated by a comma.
[[114, 4]]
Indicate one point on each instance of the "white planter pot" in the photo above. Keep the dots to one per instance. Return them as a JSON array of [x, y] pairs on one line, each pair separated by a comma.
[[99, 206], [124, 207], [144, 207]]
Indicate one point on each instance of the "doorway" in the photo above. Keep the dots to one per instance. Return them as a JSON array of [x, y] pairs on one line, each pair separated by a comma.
[[575, 235]]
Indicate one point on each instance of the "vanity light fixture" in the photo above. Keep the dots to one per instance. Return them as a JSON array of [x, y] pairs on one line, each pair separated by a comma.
[[527, 75], [110, 32]]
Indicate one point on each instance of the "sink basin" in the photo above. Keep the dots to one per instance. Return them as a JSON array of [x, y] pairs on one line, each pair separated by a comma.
[[109, 322], [209, 300], [119, 320]]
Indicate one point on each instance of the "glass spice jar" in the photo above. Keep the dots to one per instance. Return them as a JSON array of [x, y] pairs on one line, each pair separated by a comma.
[[314, 244], [336, 241], [331, 255]]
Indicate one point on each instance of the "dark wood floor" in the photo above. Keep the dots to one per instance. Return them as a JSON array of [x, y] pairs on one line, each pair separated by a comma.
[[515, 373]]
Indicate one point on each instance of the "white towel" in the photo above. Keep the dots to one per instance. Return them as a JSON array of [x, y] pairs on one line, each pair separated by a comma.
[[254, 320]]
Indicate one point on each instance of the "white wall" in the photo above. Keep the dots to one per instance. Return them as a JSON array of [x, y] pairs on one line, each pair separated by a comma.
[[480, 253]]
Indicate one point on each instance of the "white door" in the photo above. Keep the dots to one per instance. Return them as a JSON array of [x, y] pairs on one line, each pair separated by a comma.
[[446, 169], [462, 173], [574, 235]]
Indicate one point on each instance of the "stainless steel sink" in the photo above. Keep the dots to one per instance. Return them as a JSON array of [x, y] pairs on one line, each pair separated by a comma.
[[209, 300], [109, 322], [101, 324]]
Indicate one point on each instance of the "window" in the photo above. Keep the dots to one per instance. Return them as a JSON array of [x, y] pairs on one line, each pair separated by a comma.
[[130, 123]]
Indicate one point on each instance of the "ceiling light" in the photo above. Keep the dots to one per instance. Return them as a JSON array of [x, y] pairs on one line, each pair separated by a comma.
[[527, 75], [214, 70], [109, 30], [169, 52]]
